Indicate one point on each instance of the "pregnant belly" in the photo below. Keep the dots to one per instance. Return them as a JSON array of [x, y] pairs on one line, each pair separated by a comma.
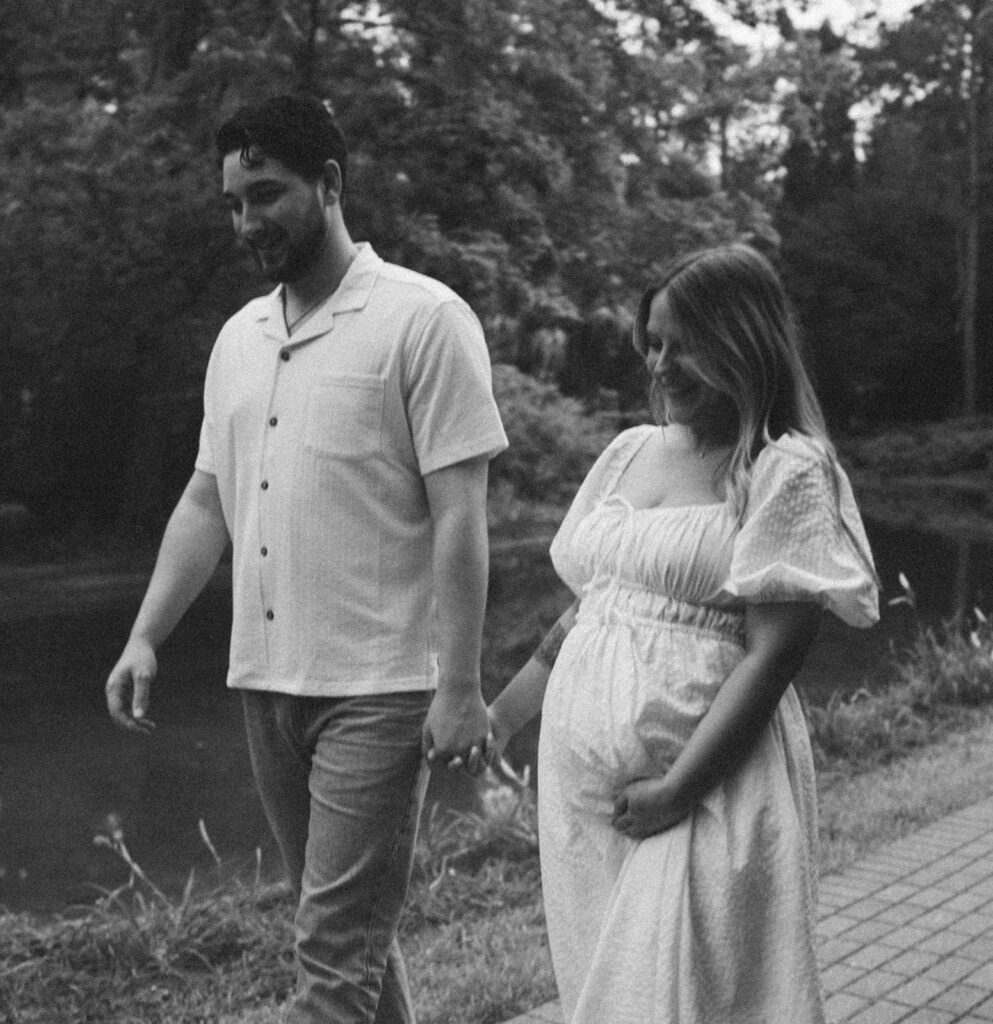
[[622, 702]]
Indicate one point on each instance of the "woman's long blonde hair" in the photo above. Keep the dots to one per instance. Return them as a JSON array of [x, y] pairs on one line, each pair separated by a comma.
[[732, 315]]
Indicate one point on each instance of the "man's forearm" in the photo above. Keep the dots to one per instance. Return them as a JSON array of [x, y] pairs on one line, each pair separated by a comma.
[[461, 575], [194, 540], [457, 498]]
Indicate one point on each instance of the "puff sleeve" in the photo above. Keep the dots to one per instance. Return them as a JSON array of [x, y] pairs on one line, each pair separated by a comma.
[[599, 482], [802, 538]]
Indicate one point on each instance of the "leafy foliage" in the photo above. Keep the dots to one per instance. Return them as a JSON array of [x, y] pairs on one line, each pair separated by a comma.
[[510, 149], [544, 157], [553, 439]]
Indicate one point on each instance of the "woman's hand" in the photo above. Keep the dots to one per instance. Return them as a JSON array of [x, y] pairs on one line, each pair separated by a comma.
[[645, 807], [498, 738], [777, 637]]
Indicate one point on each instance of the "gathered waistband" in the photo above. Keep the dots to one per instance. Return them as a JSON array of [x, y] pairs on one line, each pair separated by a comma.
[[639, 608]]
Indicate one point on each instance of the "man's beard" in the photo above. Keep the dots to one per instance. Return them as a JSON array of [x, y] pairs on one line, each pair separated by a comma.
[[300, 256]]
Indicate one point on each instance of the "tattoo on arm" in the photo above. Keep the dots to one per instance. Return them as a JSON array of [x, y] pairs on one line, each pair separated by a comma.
[[548, 649]]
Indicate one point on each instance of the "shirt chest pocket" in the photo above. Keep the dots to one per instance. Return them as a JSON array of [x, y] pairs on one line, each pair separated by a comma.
[[344, 416]]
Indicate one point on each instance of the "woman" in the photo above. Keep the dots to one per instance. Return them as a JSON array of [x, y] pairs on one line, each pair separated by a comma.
[[676, 791]]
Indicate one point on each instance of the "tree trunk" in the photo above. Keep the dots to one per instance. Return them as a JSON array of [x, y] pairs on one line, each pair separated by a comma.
[[970, 268]]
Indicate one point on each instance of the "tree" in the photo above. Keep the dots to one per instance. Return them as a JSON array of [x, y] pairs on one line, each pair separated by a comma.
[[524, 151], [936, 68]]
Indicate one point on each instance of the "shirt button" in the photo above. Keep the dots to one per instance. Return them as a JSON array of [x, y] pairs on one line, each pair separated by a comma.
[[265, 485], [285, 356], [265, 551], [273, 421], [269, 615]]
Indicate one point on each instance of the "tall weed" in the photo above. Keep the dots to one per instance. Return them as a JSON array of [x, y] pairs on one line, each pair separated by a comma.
[[473, 863]]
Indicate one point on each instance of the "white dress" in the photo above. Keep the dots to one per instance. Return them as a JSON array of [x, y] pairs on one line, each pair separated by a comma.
[[712, 921]]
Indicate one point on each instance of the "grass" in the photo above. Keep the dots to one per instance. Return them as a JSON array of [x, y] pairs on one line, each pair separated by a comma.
[[889, 761], [473, 933], [863, 807]]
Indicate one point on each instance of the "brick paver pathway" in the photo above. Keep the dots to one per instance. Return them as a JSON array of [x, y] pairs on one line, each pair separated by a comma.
[[906, 933]]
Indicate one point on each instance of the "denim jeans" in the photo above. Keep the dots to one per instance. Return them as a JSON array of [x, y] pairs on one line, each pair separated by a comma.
[[342, 782]]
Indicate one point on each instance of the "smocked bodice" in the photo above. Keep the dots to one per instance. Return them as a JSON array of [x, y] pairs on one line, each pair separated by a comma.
[[800, 538], [646, 566]]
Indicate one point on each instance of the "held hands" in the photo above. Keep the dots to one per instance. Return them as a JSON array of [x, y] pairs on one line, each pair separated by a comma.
[[132, 678], [456, 729], [645, 807], [498, 738]]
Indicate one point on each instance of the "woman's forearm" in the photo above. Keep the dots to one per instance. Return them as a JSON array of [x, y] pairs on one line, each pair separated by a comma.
[[779, 639], [521, 699]]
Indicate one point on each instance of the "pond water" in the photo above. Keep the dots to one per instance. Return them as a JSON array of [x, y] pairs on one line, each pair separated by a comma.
[[65, 771]]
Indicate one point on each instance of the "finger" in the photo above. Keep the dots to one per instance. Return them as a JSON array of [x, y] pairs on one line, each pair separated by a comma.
[[140, 699], [116, 700], [490, 753], [628, 827], [113, 694], [475, 763]]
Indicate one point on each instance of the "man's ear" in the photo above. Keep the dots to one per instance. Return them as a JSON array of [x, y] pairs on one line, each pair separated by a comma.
[[331, 180]]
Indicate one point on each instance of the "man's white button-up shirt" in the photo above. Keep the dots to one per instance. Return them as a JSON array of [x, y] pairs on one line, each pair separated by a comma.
[[319, 444]]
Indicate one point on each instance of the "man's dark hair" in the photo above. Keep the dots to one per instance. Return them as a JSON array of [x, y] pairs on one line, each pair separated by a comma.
[[298, 131]]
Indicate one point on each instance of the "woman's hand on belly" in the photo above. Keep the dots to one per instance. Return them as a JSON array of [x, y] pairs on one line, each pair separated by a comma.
[[644, 807]]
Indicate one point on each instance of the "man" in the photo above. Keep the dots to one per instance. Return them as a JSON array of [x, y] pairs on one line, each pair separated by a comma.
[[348, 422]]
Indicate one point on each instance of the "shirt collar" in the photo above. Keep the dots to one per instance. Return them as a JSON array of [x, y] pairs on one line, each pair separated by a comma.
[[351, 294]]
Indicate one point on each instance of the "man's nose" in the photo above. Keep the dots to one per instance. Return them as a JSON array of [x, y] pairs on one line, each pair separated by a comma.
[[250, 223]]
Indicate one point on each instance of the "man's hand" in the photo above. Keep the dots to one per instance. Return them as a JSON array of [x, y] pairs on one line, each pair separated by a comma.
[[130, 682], [456, 728]]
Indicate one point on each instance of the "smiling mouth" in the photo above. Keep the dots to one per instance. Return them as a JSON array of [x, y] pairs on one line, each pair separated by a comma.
[[268, 253], [678, 389]]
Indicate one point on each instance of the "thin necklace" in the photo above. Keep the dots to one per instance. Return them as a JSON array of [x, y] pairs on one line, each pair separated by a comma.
[[704, 448], [301, 316]]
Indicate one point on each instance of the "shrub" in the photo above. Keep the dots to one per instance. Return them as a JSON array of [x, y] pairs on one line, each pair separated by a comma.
[[951, 664], [866, 727], [553, 439], [937, 449]]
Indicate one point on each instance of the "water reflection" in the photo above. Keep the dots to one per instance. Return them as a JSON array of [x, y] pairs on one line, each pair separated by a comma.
[[950, 575], [64, 768]]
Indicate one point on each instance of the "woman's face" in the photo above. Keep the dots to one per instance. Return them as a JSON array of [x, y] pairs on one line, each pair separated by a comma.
[[689, 399]]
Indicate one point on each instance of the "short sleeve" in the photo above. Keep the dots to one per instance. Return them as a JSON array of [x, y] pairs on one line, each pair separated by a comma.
[[802, 538], [205, 454], [450, 405], [599, 482], [206, 461]]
